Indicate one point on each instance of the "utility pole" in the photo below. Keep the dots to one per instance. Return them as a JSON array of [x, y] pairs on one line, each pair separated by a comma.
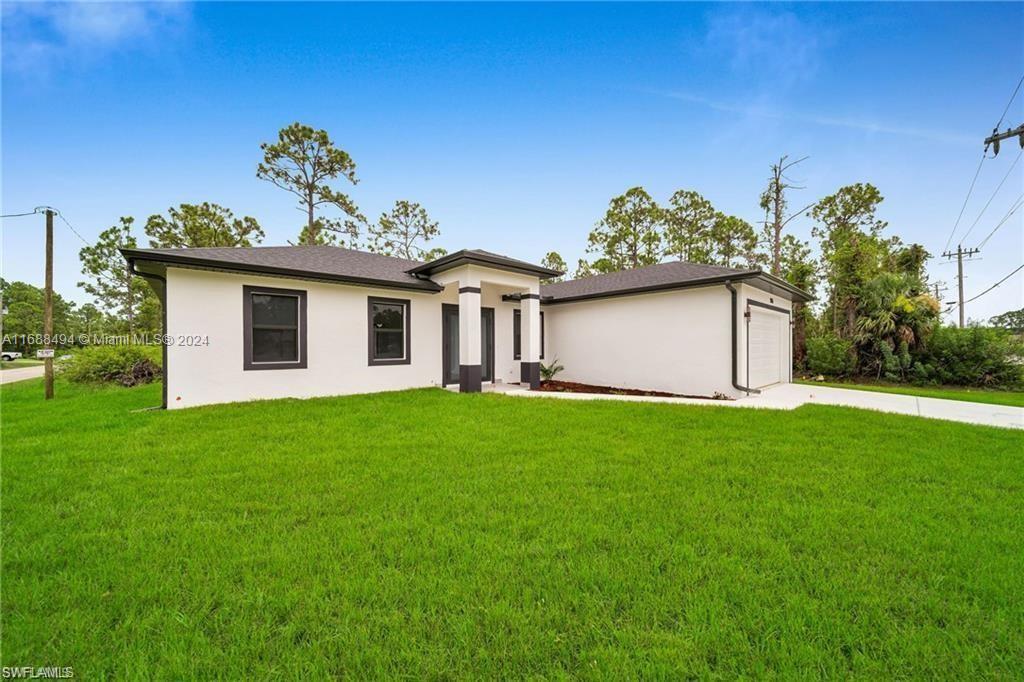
[[960, 253], [996, 136], [938, 290], [48, 307]]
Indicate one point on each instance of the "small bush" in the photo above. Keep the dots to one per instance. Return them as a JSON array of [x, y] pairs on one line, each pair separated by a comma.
[[549, 372], [125, 365], [829, 355], [974, 356]]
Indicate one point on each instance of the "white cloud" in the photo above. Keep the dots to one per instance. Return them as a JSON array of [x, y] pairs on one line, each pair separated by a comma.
[[765, 43], [38, 36], [867, 126]]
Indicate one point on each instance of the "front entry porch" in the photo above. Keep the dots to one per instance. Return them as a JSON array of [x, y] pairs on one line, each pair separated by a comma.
[[487, 299]]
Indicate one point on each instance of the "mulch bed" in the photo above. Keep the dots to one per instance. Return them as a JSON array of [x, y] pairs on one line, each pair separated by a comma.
[[555, 386]]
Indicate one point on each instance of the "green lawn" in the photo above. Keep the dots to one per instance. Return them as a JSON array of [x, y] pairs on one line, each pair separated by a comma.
[[971, 395], [431, 534], [20, 362]]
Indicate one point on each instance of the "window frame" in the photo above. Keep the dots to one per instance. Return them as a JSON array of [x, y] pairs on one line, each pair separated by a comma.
[[406, 304], [517, 334], [248, 291]]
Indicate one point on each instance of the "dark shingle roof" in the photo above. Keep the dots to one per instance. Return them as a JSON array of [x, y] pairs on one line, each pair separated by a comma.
[[318, 262], [663, 276], [485, 258]]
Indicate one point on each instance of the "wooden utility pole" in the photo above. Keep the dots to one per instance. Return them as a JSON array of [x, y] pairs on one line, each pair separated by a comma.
[[48, 307], [960, 253]]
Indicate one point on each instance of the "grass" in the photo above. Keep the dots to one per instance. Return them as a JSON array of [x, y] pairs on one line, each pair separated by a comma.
[[972, 395], [431, 534], [20, 362]]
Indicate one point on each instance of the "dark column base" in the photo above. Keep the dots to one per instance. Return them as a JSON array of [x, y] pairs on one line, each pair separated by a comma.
[[469, 378], [529, 373]]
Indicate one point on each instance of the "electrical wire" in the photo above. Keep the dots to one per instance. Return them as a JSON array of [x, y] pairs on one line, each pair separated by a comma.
[[984, 155], [42, 209], [975, 298], [18, 215], [989, 202], [1013, 209], [1014, 95], [70, 227]]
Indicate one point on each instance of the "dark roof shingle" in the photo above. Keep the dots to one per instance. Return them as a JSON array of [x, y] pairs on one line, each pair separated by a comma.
[[485, 258], [324, 262], [663, 276]]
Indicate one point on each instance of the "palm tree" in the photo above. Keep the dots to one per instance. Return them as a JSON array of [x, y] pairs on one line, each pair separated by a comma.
[[892, 311]]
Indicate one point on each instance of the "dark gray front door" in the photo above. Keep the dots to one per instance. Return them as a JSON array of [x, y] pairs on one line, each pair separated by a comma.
[[450, 344]]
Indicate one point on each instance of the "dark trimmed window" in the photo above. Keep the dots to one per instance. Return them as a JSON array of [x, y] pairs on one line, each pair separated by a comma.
[[274, 328], [390, 339], [517, 335]]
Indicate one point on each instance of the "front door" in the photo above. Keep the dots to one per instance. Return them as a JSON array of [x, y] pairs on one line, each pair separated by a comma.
[[450, 344]]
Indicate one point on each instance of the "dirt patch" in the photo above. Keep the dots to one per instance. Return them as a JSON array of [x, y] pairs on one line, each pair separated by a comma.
[[555, 386]]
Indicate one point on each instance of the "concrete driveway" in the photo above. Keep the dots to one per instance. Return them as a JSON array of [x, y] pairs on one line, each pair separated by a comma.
[[792, 396], [9, 376], [789, 396]]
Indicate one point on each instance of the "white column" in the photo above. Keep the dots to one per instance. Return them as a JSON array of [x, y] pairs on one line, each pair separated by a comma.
[[469, 336], [529, 315]]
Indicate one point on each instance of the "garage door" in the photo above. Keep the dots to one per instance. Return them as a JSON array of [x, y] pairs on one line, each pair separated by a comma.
[[769, 336]]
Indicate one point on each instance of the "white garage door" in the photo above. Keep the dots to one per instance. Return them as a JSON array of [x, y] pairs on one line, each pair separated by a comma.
[[769, 336]]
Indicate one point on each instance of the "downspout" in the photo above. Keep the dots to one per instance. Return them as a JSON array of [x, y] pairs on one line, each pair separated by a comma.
[[163, 309], [735, 362]]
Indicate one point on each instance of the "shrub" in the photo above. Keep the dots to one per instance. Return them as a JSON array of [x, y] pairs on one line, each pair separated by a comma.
[[974, 356], [548, 372], [829, 355], [125, 365]]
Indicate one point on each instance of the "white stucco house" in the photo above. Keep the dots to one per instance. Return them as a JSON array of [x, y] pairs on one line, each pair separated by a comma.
[[304, 321]]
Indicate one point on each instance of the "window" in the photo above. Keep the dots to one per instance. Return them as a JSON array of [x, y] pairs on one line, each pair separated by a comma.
[[388, 320], [274, 328], [517, 340]]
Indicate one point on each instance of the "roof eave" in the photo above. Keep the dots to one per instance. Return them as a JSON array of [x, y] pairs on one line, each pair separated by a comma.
[[797, 294], [460, 258], [247, 268]]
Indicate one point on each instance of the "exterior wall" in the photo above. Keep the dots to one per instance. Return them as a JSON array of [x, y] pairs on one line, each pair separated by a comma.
[[675, 341], [205, 303]]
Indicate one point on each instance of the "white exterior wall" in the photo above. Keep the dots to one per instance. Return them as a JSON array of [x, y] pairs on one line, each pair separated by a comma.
[[205, 303], [676, 341]]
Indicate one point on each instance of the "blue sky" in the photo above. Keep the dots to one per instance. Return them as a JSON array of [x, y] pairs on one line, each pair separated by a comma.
[[512, 124]]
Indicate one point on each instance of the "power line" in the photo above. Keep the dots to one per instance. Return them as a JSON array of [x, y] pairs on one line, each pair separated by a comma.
[[974, 298], [34, 211], [1019, 268], [1012, 97], [70, 227], [1013, 209], [43, 209], [987, 203], [984, 155]]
